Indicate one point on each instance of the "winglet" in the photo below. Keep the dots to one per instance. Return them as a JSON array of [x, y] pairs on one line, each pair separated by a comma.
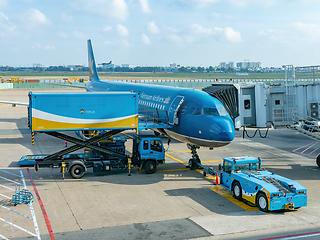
[[93, 74]]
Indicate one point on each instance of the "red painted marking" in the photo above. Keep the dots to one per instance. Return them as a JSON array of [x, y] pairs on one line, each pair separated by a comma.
[[294, 235], [46, 218]]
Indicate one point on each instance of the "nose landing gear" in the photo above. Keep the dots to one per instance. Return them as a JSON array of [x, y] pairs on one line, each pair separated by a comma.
[[194, 160]]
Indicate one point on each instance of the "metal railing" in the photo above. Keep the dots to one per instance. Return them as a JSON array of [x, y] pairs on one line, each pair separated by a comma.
[[150, 117], [306, 124], [282, 117]]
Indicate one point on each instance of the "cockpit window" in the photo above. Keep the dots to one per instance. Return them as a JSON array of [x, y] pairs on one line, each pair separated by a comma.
[[222, 111], [191, 111], [211, 112], [197, 112]]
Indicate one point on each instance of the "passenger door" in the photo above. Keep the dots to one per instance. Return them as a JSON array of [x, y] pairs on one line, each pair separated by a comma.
[[173, 110]]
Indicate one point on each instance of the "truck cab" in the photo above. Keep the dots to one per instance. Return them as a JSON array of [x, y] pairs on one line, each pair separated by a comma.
[[148, 152], [268, 191]]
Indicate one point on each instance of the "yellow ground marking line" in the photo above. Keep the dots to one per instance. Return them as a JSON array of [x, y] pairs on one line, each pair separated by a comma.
[[228, 195], [175, 158], [221, 190], [199, 150], [209, 177], [220, 160], [180, 161], [173, 170]]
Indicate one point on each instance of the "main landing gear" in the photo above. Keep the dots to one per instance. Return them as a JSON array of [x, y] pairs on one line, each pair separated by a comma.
[[194, 160]]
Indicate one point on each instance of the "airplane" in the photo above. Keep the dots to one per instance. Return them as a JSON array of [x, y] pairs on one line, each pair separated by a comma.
[[193, 116], [103, 64]]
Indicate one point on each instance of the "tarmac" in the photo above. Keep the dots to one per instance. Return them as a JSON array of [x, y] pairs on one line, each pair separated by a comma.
[[173, 203]]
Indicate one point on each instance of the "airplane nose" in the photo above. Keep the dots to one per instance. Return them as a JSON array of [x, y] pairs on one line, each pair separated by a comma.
[[222, 130]]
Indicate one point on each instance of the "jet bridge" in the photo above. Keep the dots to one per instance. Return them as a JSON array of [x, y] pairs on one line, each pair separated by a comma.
[[227, 94]]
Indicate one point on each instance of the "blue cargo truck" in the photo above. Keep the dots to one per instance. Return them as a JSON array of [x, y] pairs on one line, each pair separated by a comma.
[[96, 118], [248, 181]]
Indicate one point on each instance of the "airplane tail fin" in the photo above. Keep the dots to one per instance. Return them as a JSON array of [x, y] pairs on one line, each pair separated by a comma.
[[93, 74]]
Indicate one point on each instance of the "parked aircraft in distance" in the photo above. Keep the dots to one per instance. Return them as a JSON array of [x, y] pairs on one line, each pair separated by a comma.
[[194, 116]]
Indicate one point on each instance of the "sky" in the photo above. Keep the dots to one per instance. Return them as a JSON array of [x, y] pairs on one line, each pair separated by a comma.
[[160, 32]]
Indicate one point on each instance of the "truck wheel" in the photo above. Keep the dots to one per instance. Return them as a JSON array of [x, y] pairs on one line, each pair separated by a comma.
[[150, 167], [237, 191], [262, 202], [77, 171], [318, 160]]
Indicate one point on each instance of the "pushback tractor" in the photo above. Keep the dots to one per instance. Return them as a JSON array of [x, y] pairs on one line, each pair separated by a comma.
[[268, 191], [100, 115]]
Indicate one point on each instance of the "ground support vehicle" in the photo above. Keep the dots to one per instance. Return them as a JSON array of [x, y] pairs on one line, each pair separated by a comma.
[[268, 191], [147, 154], [99, 117]]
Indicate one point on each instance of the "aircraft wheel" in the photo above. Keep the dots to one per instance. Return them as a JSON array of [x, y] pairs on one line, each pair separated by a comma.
[[318, 160], [237, 191], [192, 164], [150, 167], [262, 202], [77, 171]]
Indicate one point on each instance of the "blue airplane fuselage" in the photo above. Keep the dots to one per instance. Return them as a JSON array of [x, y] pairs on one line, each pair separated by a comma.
[[200, 119]]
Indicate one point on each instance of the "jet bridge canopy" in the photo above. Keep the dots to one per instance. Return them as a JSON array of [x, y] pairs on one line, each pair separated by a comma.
[[228, 95]]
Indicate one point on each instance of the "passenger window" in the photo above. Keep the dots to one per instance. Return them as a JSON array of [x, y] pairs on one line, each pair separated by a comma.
[[191, 110], [145, 145], [197, 112], [156, 145]]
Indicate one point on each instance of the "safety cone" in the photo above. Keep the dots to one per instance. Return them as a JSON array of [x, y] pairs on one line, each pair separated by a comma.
[[217, 180], [65, 144]]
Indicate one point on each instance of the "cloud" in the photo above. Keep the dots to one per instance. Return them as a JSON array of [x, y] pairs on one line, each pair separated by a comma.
[[202, 3], [145, 39], [63, 35], [232, 35], [5, 25], [226, 33], [248, 3], [234, 3], [198, 29], [66, 17], [107, 28], [174, 38], [145, 6], [35, 17], [3, 3], [279, 36], [115, 9], [124, 43], [307, 28], [122, 30], [79, 35], [46, 47], [152, 27]]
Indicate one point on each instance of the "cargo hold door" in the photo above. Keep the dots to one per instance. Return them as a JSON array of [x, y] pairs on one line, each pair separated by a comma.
[[173, 110]]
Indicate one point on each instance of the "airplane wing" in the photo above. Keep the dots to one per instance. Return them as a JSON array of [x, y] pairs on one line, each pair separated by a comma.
[[67, 85], [15, 103]]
